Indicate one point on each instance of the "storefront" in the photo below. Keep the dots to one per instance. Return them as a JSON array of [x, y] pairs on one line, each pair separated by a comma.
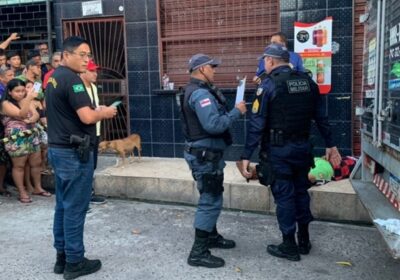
[[137, 41]]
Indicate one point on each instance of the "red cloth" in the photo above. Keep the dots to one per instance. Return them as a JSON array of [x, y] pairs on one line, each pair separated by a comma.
[[346, 166], [46, 78]]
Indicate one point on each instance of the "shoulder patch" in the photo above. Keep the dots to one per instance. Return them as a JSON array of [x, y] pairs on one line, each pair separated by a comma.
[[78, 88], [52, 82], [259, 91], [205, 102], [255, 107]]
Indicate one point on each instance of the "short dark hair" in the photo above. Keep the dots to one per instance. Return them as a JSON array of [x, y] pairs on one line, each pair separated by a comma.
[[32, 53], [2, 52], [72, 43], [30, 63], [39, 44], [11, 54], [282, 36]]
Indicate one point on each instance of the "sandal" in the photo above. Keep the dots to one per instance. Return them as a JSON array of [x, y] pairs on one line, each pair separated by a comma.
[[25, 199], [5, 193], [43, 193]]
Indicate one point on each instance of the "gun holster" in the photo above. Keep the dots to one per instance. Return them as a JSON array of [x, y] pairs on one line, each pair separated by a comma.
[[213, 183], [83, 146], [265, 173]]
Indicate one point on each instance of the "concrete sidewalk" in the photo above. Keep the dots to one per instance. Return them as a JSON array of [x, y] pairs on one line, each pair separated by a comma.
[[170, 180], [137, 240]]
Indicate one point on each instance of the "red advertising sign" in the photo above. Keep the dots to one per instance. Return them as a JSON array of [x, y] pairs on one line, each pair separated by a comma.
[[313, 41]]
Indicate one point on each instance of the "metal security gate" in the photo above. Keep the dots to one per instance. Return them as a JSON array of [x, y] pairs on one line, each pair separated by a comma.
[[236, 31], [106, 37]]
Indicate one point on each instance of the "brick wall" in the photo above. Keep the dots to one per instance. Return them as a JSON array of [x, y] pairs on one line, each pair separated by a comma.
[[358, 41]]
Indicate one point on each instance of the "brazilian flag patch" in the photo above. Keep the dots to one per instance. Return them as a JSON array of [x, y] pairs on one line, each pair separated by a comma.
[[78, 88]]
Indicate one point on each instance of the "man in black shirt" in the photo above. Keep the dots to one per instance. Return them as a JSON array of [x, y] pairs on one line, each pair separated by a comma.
[[71, 135]]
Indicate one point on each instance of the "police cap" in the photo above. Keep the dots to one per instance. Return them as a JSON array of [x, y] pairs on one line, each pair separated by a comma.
[[276, 51], [199, 60]]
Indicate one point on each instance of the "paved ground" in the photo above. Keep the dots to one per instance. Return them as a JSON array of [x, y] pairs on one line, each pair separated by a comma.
[[138, 240]]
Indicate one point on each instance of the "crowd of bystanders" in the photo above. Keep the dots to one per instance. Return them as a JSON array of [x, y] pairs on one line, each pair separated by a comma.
[[23, 137]]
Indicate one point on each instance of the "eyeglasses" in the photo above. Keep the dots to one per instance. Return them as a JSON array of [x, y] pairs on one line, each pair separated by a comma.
[[84, 55]]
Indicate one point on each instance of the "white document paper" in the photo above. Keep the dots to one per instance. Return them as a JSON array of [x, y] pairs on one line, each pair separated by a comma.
[[240, 90]]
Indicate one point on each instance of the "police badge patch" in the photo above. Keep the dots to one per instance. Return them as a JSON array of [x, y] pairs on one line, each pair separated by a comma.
[[259, 91], [255, 107]]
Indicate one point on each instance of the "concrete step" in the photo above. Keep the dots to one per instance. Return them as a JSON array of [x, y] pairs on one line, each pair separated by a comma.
[[170, 180]]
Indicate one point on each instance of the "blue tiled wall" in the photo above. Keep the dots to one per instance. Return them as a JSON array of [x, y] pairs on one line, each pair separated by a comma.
[[339, 100], [156, 118], [28, 20]]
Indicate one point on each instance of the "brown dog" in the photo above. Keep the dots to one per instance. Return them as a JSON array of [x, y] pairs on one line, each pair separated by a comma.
[[123, 146]]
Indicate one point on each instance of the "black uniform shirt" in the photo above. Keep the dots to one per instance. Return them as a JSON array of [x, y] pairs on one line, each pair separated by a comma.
[[65, 94]]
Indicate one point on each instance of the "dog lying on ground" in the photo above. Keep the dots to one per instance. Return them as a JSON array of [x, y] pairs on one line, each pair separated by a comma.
[[123, 147]]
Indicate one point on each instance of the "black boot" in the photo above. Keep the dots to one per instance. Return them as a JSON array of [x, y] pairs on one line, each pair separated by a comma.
[[303, 238], [216, 240], [85, 267], [287, 249], [60, 263], [200, 255]]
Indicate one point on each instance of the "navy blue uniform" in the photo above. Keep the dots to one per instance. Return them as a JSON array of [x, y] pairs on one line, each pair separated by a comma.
[[214, 120], [291, 158]]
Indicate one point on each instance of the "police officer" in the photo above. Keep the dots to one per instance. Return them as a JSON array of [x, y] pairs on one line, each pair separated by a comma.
[[72, 122], [295, 61], [284, 105], [206, 124]]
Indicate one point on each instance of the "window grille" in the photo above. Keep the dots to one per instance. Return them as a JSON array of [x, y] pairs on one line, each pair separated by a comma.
[[236, 31]]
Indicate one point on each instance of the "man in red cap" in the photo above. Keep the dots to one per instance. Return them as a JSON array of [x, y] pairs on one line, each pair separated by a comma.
[[89, 79]]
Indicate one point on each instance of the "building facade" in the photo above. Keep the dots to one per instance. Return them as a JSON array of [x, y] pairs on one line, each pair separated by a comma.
[[137, 41]]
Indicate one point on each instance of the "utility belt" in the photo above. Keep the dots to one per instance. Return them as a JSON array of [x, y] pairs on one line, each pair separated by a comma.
[[204, 154], [278, 137]]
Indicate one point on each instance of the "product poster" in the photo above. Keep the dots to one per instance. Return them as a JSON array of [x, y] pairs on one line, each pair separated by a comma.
[[313, 41], [394, 58]]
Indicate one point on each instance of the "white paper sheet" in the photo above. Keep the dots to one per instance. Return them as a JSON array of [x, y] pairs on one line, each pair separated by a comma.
[[240, 90]]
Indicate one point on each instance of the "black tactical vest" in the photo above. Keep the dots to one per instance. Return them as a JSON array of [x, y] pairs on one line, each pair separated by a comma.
[[192, 129], [292, 107]]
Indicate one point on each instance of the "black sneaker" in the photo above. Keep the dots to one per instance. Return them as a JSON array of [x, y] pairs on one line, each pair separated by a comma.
[[96, 199], [60, 263], [85, 267], [304, 247]]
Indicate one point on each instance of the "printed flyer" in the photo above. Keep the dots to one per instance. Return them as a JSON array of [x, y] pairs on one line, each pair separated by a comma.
[[313, 41]]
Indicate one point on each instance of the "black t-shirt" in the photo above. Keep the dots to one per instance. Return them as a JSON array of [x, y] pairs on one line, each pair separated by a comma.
[[65, 94]]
